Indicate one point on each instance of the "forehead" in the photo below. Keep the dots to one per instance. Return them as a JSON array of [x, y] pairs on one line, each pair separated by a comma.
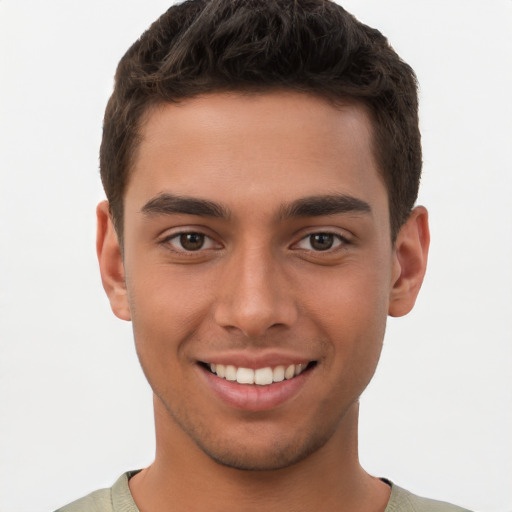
[[278, 145]]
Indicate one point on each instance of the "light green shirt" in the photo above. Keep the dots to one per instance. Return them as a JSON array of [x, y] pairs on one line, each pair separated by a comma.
[[119, 499]]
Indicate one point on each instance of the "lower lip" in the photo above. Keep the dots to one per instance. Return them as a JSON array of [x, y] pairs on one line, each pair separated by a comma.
[[251, 397]]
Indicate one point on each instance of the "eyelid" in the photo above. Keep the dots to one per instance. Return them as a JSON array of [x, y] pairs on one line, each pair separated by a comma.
[[343, 239], [169, 236]]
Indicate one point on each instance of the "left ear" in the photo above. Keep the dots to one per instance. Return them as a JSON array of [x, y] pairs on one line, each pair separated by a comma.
[[410, 253]]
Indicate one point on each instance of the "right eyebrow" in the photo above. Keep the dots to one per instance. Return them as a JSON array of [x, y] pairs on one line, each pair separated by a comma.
[[169, 204]]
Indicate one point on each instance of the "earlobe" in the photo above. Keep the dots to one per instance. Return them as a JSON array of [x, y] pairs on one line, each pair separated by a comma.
[[111, 263], [411, 253]]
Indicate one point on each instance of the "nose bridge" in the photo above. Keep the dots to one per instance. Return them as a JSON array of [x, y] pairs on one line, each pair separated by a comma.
[[254, 296]]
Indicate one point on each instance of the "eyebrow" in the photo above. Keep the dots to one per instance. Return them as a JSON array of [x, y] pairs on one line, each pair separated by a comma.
[[168, 204], [318, 206], [313, 206]]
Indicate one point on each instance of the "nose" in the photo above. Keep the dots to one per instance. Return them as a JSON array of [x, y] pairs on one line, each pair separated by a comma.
[[254, 295]]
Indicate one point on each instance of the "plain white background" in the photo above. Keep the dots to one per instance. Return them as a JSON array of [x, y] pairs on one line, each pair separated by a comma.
[[75, 410]]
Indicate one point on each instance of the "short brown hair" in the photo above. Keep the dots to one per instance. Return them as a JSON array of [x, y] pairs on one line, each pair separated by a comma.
[[310, 46]]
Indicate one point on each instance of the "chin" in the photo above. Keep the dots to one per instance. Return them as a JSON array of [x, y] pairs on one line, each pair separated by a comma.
[[260, 462], [272, 456]]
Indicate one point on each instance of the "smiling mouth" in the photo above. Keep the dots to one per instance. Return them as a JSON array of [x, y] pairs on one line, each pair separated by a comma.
[[259, 376]]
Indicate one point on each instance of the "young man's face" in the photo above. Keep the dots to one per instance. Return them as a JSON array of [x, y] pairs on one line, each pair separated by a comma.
[[257, 237]]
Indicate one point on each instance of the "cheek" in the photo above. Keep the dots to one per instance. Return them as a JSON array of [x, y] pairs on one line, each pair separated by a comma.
[[351, 311], [167, 308], [161, 292]]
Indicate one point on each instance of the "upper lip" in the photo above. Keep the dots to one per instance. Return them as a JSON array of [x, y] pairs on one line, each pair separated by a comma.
[[253, 360]]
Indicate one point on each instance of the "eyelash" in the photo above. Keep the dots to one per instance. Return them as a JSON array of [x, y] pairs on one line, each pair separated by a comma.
[[337, 242], [177, 236]]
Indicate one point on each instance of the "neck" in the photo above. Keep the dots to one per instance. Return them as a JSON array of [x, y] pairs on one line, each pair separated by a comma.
[[183, 476]]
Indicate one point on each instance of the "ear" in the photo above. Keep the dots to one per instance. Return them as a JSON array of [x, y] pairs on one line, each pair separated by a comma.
[[411, 252], [111, 263]]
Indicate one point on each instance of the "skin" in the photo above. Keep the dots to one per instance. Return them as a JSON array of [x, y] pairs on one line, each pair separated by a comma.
[[259, 291]]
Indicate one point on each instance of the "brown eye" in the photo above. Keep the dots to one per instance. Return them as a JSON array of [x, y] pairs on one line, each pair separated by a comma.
[[192, 241], [321, 241], [189, 242]]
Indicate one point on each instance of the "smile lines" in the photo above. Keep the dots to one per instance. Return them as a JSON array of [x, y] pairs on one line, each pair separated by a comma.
[[260, 376]]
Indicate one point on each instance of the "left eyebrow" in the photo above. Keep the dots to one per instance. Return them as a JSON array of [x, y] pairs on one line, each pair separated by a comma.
[[317, 206]]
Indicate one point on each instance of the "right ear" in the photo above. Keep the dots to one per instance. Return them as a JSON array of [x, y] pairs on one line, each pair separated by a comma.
[[111, 263]]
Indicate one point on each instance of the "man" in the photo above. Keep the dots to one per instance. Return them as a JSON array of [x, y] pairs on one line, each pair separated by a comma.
[[261, 162]]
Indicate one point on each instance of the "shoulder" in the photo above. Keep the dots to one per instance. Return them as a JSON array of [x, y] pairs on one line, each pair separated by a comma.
[[115, 499], [404, 501], [98, 501]]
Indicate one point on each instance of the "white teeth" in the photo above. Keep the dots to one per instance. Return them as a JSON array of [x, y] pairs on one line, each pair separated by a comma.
[[278, 374], [263, 376], [230, 372], [289, 372], [260, 376], [299, 368], [245, 376]]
